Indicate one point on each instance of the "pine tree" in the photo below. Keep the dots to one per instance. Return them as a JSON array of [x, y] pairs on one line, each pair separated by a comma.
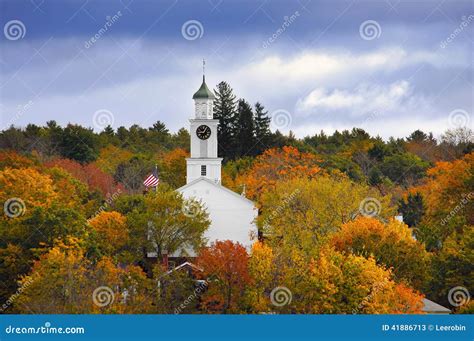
[[225, 112], [262, 127], [412, 209], [244, 132]]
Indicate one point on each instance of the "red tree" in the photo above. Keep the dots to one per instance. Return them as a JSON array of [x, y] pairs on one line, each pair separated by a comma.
[[225, 266]]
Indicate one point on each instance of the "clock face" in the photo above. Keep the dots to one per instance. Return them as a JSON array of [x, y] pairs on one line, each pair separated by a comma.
[[203, 132]]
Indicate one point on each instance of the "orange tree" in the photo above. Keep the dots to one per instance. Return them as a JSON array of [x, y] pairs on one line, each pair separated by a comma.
[[448, 194], [391, 245], [277, 164], [173, 167], [225, 266]]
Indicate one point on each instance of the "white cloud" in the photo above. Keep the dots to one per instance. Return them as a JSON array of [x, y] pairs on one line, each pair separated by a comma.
[[332, 89], [365, 98]]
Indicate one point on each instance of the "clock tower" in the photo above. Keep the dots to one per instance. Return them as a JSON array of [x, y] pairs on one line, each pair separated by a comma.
[[204, 161]]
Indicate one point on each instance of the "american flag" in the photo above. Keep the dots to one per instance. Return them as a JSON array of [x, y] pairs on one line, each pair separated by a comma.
[[152, 180]]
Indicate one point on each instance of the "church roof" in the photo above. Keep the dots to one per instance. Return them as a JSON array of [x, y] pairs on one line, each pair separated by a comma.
[[204, 91], [431, 307], [218, 186]]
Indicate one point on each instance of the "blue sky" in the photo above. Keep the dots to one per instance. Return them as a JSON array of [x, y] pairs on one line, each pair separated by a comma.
[[389, 67]]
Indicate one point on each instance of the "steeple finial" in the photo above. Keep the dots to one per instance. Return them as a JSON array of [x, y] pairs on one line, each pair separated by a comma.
[[203, 70]]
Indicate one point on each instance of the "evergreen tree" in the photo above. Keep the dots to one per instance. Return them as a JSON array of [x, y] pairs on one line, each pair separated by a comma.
[[244, 132], [78, 143], [225, 112], [262, 127], [412, 209]]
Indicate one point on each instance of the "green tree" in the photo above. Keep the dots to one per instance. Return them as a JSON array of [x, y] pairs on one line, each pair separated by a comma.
[[244, 135], [412, 209], [79, 144], [262, 127], [225, 112], [405, 169], [167, 222]]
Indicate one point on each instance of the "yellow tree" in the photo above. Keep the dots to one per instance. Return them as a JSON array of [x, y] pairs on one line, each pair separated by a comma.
[[110, 157], [112, 231], [300, 213], [277, 164], [262, 271], [64, 281], [28, 185], [336, 283], [392, 245], [58, 282]]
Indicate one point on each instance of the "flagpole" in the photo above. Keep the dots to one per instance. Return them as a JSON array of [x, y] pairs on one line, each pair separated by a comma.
[[156, 173]]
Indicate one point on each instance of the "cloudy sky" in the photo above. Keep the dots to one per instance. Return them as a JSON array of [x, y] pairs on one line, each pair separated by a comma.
[[389, 67]]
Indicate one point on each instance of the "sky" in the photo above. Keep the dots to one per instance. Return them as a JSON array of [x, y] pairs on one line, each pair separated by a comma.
[[389, 67]]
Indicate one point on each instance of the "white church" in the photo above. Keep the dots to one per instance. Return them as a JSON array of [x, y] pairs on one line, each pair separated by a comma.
[[232, 215]]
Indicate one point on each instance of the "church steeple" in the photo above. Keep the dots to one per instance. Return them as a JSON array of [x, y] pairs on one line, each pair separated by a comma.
[[204, 99], [204, 161]]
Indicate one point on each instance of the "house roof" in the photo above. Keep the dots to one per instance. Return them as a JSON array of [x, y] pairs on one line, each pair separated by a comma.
[[433, 307], [218, 186], [185, 264], [204, 91]]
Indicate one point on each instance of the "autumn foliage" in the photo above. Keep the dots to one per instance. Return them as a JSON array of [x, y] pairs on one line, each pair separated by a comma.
[[89, 174], [392, 245], [225, 265], [277, 165]]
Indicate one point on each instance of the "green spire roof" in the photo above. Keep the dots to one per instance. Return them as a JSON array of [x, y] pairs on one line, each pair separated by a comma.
[[204, 91]]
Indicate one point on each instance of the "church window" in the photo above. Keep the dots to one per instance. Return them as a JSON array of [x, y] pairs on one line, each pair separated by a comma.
[[203, 170]]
